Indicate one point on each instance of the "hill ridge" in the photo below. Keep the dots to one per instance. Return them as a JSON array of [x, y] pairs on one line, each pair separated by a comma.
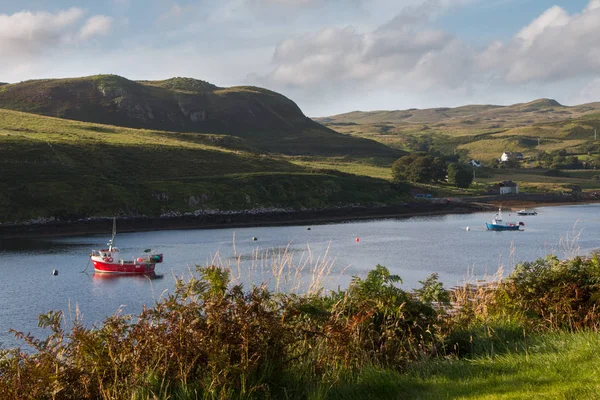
[[541, 101], [268, 120], [468, 113]]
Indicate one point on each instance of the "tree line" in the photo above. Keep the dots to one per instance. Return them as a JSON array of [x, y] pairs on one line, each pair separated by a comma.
[[420, 168]]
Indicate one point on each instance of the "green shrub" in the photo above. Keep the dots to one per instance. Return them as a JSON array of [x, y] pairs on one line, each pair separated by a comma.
[[212, 340], [554, 294]]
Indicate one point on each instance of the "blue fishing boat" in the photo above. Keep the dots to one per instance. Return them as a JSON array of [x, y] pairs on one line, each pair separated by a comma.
[[498, 224]]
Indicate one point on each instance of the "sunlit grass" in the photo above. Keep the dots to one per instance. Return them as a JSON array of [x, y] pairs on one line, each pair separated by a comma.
[[349, 166], [555, 366], [67, 169], [18, 126]]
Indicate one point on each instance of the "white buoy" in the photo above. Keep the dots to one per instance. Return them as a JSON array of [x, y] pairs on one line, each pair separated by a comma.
[[54, 272], [468, 229]]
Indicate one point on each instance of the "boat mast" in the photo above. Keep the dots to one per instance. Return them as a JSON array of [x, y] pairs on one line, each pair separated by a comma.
[[114, 233]]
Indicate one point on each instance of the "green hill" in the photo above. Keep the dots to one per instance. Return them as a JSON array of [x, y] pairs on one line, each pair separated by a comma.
[[484, 131], [265, 119], [68, 169], [482, 116]]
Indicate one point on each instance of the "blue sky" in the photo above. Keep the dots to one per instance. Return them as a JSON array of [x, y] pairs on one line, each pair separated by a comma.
[[330, 56]]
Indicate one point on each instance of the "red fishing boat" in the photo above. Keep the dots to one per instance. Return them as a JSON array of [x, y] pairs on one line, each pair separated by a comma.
[[108, 261]]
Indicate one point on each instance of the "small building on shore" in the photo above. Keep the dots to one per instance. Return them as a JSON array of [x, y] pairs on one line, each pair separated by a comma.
[[504, 187]]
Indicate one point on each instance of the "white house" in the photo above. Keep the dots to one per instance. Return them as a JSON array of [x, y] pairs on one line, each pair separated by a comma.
[[509, 155]]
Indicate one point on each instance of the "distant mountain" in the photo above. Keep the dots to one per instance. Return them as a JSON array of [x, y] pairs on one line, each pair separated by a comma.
[[267, 120], [483, 116], [483, 132]]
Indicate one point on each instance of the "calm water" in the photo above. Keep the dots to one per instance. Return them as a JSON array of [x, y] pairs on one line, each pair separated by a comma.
[[412, 248]]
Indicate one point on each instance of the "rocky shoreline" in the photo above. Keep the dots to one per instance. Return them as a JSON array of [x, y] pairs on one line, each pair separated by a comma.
[[214, 220]]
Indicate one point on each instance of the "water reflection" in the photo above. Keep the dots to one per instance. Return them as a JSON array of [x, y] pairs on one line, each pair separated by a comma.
[[114, 277], [37, 246]]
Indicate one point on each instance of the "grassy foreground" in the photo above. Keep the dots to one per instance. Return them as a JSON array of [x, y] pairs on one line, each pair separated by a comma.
[[532, 335], [551, 366]]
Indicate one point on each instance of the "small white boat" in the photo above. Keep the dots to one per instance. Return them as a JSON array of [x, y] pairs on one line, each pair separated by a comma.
[[526, 212]]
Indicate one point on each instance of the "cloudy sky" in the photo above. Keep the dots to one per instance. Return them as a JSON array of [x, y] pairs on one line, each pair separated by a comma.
[[330, 56]]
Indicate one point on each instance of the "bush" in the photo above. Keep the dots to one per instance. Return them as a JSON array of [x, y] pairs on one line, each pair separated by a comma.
[[223, 342], [212, 340], [552, 294]]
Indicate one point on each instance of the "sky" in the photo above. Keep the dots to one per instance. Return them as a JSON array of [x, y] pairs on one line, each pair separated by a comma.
[[329, 56]]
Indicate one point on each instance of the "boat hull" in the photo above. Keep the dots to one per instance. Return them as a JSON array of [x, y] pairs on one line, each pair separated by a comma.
[[103, 267], [494, 227]]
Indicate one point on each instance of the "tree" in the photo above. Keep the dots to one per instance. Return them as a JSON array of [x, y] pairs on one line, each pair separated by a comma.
[[413, 168], [420, 170], [400, 168], [460, 175], [573, 162], [439, 169], [512, 163]]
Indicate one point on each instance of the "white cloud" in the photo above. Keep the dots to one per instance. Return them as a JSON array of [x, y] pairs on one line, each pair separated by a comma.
[[588, 93], [293, 3], [36, 44], [98, 25], [551, 18], [404, 51], [593, 4], [555, 46], [29, 32], [407, 53]]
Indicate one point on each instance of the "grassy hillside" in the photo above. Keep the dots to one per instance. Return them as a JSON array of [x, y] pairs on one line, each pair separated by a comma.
[[69, 169], [267, 120], [484, 131]]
